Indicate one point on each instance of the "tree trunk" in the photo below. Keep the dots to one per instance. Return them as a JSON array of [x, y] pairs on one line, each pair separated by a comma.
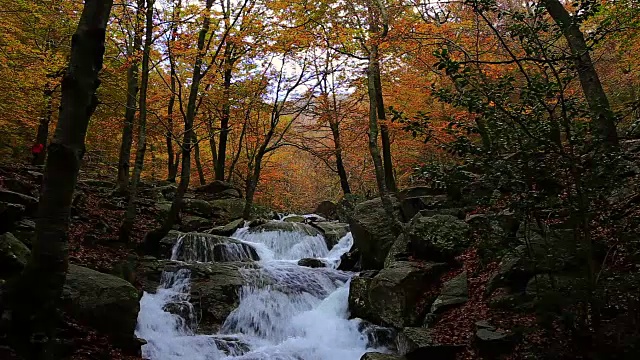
[[389, 177], [238, 152], [602, 116], [172, 159], [124, 158], [252, 185], [224, 121], [38, 291], [42, 136], [342, 173], [197, 158], [152, 239], [130, 214]]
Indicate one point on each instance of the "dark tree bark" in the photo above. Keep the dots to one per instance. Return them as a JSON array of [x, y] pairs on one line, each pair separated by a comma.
[[42, 135], [153, 238], [196, 155], [389, 177], [130, 111], [130, 214], [38, 291], [602, 116], [172, 159], [342, 173], [224, 120]]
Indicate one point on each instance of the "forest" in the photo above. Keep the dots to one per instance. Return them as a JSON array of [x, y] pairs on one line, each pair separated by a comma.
[[471, 168]]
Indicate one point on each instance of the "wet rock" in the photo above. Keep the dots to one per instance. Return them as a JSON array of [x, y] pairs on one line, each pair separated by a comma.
[[378, 337], [295, 218], [454, 292], [14, 255], [373, 232], [185, 311], [381, 356], [228, 229], [417, 343], [207, 248], [106, 302], [231, 345], [312, 263], [286, 227], [332, 231], [350, 261]]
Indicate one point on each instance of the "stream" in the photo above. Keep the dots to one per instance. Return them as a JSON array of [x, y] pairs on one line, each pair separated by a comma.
[[286, 311]]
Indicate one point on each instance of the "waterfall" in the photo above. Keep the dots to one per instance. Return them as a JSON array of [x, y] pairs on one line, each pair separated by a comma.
[[285, 312]]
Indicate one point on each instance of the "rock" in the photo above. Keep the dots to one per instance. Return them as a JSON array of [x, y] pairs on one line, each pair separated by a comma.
[[209, 248], [228, 229], [36, 176], [438, 238], [25, 231], [295, 218], [19, 186], [512, 272], [106, 302], [231, 345], [226, 210], [413, 200], [184, 309], [399, 251], [378, 337], [373, 232], [543, 284], [197, 207], [286, 227], [9, 214], [328, 209], [346, 207], [195, 223], [332, 231], [162, 208], [98, 183], [417, 343], [14, 255], [29, 202], [312, 263], [381, 356], [454, 292], [350, 261], [218, 190], [393, 297], [492, 342]]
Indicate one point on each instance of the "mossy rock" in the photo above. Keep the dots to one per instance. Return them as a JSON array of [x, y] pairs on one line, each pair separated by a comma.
[[14, 255], [438, 238]]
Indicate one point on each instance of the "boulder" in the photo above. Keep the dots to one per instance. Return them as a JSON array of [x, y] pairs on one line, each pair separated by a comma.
[[394, 296], [417, 343], [286, 227], [312, 263], [162, 208], [512, 273], [413, 200], [29, 202], [350, 261], [378, 337], [381, 356], [228, 229], [399, 251], [25, 231], [197, 207], [438, 238], [373, 233], [332, 231], [209, 248], [9, 214], [454, 292], [106, 302], [190, 223], [226, 210], [218, 190], [328, 209], [295, 218], [492, 342], [544, 284], [14, 255], [19, 186]]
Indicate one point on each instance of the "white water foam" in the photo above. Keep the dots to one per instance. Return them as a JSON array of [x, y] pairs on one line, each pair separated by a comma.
[[286, 312]]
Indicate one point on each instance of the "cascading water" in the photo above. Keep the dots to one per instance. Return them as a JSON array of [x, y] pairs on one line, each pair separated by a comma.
[[286, 311]]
